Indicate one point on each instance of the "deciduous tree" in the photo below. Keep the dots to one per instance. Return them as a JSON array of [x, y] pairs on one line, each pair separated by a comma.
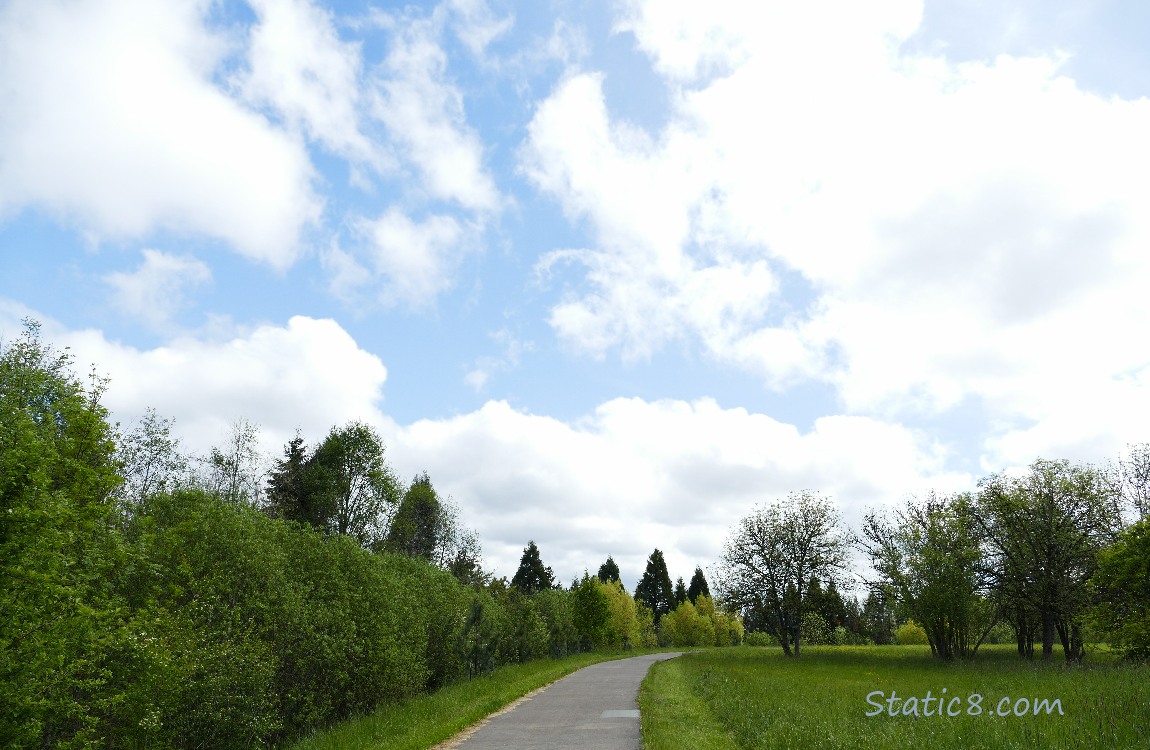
[[150, 459], [929, 562], [1044, 533], [1122, 585], [58, 548], [351, 482], [771, 555]]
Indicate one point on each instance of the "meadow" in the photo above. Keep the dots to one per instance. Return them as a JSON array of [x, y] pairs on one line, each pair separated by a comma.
[[754, 697]]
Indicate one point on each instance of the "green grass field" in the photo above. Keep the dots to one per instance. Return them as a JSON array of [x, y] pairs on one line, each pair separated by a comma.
[[757, 698]]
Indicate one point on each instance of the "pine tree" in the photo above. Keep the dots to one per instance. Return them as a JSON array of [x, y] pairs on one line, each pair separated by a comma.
[[654, 589], [698, 586], [532, 575], [609, 571], [680, 592], [286, 494]]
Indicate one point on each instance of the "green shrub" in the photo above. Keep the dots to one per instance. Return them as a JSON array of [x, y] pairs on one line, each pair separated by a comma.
[[910, 633], [814, 630], [758, 638]]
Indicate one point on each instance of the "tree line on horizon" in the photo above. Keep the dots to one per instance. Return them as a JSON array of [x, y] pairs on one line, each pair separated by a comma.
[[1047, 557], [154, 599]]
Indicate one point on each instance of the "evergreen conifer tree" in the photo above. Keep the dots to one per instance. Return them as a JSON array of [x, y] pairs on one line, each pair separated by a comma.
[[698, 586], [654, 589], [609, 571], [532, 575]]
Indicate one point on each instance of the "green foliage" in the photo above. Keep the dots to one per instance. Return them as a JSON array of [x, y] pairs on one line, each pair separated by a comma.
[[350, 483], [815, 630], [654, 588], [910, 633], [532, 574], [728, 627], [556, 607], [771, 556], [648, 636], [685, 627], [609, 570], [234, 472], [1122, 585], [877, 619], [698, 586], [287, 493], [416, 529], [759, 638], [1044, 532], [60, 621], [591, 611], [621, 629], [150, 459], [701, 624], [1000, 633], [930, 562]]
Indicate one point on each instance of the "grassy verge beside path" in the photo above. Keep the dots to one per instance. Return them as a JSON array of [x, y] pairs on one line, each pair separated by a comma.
[[757, 698], [430, 719]]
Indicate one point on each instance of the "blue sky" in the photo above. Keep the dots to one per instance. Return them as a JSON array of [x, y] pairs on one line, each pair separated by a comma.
[[611, 272]]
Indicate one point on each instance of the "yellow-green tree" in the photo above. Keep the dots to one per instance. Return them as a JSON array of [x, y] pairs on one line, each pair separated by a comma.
[[622, 627]]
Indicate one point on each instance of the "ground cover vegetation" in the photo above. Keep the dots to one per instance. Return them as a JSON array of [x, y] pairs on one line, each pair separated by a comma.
[[152, 598], [888, 698]]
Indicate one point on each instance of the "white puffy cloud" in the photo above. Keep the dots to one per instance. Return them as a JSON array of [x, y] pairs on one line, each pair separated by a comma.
[[308, 374], [300, 67], [112, 120], [965, 229], [424, 114], [156, 290], [636, 475]]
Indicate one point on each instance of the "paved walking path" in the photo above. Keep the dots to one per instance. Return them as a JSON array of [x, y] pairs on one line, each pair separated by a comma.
[[595, 708]]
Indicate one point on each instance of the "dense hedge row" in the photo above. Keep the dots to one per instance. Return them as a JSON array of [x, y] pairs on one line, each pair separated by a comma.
[[220, 627], [190, 619], [246, 629]]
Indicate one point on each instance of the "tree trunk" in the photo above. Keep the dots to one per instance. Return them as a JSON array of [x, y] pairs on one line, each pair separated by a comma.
[[1047, 634], [1077, 647]]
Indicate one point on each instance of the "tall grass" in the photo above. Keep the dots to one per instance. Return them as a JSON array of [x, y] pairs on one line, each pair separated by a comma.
[[757, 698]]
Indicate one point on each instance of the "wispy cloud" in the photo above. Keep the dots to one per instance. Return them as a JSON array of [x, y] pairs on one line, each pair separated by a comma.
[[158, 288]]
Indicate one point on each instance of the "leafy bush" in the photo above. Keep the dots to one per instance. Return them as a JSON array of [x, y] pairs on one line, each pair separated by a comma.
[[684, 626], [814, 629], [1122, 584], [910, 633], [758, 638]]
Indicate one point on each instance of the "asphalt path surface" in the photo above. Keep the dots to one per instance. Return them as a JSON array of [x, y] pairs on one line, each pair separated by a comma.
[[596, 708]]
